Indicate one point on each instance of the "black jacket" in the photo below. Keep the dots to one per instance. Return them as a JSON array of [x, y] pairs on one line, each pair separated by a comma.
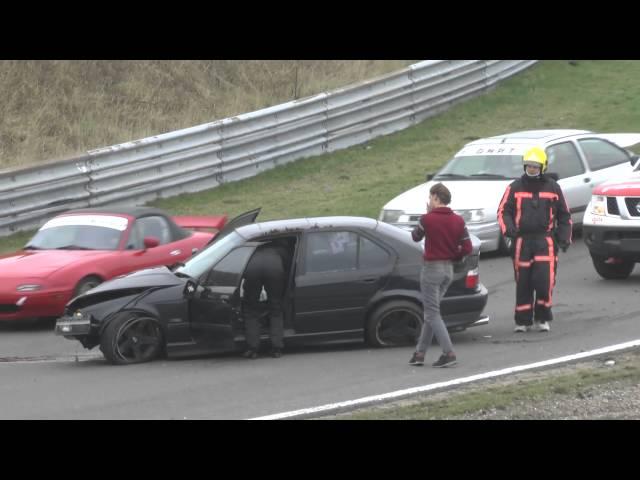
[[535, 206]]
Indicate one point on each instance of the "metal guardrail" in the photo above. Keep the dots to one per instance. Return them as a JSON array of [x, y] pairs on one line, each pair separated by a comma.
[[205, 156]]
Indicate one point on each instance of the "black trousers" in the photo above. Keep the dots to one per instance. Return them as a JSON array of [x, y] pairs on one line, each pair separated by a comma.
[[535, 266], [264, 270]]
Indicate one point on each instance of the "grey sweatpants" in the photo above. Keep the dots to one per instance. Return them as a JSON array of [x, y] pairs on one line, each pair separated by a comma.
[[435, 278]]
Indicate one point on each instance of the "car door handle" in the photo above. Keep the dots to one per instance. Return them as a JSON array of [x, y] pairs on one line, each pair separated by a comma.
[[586, 180], [369, 280]]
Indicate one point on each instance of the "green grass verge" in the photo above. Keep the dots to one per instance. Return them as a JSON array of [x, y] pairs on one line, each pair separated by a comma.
[[593, 95], [507, 393]]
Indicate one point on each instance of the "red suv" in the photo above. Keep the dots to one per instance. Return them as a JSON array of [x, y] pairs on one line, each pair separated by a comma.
[[612, 225]]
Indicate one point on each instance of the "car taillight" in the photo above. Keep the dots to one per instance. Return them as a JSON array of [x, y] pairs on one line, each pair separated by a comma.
[[472, 279]]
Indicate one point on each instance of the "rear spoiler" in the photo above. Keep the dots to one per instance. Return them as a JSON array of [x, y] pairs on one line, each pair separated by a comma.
[[201, 222]]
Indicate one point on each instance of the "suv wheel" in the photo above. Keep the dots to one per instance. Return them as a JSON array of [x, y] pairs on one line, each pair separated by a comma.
[[612, 271]]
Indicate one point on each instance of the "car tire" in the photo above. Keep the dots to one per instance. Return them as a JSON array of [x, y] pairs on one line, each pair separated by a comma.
[[86, 284], [132, 338], [612, 271], [394, 323]]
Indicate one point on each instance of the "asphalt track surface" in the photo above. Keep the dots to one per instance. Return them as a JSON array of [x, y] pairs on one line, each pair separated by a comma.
[[48, 377]]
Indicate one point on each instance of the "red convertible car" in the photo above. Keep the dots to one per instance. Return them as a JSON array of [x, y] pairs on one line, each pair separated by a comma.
[[75, 251]]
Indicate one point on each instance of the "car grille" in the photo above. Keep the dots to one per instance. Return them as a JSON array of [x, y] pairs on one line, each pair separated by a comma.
[[632, 206], [612, 206], [8, 308]]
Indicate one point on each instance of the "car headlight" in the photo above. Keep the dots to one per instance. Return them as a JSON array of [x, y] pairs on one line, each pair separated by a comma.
[[79, 320], [29, 287], [598, 205], [472, 216], [390, 216], [79, 315]]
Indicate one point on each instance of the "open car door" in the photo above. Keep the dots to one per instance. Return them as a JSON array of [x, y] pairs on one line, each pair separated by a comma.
[[214, 308], [243, 219]]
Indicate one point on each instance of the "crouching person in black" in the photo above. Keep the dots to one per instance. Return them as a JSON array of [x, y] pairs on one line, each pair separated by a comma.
[[266, 268]]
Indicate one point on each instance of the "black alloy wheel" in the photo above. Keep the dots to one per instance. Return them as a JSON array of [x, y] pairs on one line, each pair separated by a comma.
[[131, 338]]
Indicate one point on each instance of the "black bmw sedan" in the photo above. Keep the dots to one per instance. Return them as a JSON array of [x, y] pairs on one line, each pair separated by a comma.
[[349, 278]]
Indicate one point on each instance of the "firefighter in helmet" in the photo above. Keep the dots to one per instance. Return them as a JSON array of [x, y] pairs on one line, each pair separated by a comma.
[[533, 213]]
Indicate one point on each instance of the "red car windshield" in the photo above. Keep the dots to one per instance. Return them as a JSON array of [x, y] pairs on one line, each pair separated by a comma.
[[80, 233]]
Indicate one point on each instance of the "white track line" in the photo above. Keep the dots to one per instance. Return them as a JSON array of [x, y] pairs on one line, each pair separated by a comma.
[[434, 386], [45, 359]]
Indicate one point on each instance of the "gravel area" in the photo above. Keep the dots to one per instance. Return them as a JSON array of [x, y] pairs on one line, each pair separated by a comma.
[[614, 399]]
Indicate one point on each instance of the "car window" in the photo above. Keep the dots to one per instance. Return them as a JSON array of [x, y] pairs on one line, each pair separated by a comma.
[[153, 226], [198, 265], [331, 251], [564, 160], [601, 154], [371, 255], [228, 271]]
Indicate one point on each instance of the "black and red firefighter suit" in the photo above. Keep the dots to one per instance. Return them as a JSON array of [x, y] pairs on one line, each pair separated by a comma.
[[534, 213]]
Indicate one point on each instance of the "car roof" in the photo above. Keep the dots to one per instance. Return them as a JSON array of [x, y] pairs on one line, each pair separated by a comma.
[[516, 143], [299, 224], [529, 136], [135, 212]]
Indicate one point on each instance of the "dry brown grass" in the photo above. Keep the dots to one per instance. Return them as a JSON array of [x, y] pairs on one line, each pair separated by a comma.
[[53, 109]]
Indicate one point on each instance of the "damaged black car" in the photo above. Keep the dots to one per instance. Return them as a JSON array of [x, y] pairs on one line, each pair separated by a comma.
[[349, 278]]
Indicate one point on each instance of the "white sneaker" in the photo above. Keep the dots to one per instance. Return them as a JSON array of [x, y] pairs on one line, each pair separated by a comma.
[[542, 326], [522, 328]]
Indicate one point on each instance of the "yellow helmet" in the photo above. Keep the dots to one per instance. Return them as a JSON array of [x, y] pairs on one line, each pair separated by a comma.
[[535, 156]]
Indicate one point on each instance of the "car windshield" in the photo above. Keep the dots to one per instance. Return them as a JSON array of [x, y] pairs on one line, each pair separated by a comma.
[[201, 263], [486, 167], [79, 232]]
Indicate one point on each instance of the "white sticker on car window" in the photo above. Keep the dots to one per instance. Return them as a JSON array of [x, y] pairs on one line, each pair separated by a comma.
[[499, 149], [106, 221]]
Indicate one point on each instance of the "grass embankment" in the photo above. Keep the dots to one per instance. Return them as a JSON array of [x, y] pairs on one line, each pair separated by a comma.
[[593, 95], [535, 388], [51, 109]]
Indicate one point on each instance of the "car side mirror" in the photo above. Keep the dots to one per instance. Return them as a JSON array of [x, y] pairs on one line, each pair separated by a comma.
[[151, 242], [190, 289], [634, 160], [430, 176]]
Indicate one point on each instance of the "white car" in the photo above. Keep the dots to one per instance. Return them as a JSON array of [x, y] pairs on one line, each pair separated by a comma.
[[612, 226], [478, 175]]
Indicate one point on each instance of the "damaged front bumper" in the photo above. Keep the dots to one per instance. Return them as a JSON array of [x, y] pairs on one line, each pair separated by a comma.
[[78, 324]]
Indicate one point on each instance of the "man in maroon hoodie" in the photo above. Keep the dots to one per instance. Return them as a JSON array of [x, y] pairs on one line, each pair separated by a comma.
[[446, 241]]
